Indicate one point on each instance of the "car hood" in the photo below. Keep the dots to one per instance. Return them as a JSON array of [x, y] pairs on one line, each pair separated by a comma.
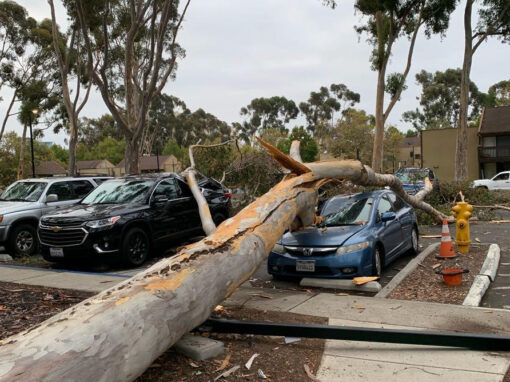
[[10, 207], [320, 237], [82, 212]]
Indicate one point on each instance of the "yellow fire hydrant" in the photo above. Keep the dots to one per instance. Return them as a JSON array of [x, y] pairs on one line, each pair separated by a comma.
[[462, 213]]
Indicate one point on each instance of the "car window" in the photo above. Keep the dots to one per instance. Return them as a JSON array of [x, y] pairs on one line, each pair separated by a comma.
[[82, 188], [120, 191], [185, 191], [62, 190], [23, 191], [396, 200], [501, 177], [167, 188], [384, 206]]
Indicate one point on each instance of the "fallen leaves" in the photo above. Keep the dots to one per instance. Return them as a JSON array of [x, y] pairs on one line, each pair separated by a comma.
[[309, 373], [250, 361], [436, 266], [224, 363], [228, 372]]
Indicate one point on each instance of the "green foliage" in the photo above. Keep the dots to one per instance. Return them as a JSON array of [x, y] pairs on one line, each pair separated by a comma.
[[109, 148], [352, 133], [94, 130], [499, 94], [263, 113], [213, 161], [439, 100], [61, 154], [10, 147], [308, 147], [392, 141], [321, 105], [173, 148]]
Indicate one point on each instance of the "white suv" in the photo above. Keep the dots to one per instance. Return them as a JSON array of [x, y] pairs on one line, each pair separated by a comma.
[[500, 181], [25, 201]]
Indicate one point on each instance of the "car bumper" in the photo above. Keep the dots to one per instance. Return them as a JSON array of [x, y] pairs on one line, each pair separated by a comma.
[[98, 245], [329, 266]]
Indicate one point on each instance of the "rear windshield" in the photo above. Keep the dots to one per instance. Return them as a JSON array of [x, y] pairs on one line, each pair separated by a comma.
[[347, 211], [412, 176], [23, 192], [120, 192]]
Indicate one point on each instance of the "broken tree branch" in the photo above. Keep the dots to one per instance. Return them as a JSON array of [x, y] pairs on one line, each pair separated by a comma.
[[294, 151]]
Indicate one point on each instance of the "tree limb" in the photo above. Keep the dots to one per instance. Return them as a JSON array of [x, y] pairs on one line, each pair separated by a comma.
[[294, 151]]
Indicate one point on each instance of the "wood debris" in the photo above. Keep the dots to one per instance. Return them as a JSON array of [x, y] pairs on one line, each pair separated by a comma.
[[364, 280], [225, 363], [228, 372], [309, 374]]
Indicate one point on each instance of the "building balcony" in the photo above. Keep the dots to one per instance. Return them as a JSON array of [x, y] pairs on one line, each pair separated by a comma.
[[499, 153]]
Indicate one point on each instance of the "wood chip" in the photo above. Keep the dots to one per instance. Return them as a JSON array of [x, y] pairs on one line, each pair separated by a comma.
[[193, 364], [250, 361], [477, 240], [225, 363], [309, 374], [436, 266], [431, 236], [227, 373], [488, 311], [359, 307], [342, 294], [363, 280]]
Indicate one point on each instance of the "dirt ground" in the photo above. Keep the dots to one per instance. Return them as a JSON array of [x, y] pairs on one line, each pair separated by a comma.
[[23, 306], [423, 284]]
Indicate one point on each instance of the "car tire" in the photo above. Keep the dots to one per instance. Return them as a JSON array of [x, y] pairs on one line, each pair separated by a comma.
[[135, 247], [414, 241], [23, 240], [377, 262]]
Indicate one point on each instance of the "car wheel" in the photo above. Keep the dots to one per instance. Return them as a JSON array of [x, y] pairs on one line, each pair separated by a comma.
[[377, 262], [135, 247], [23, 240], [414, 241]]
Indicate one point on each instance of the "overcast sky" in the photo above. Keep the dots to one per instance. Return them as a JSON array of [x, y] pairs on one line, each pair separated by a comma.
[[237, 50]]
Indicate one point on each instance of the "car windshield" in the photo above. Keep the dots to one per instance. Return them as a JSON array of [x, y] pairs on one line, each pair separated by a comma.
[[24, 191], [412, 176], [119, 192], [347, 211]]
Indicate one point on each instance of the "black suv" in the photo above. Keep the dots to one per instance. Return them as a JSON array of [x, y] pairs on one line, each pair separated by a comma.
[[126, 217]]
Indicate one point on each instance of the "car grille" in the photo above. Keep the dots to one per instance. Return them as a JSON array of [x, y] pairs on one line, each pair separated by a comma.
[[310, 251], [64, 223], [64, 237]]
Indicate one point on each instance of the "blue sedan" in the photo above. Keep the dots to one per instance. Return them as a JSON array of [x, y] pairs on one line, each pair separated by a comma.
[[359, 235]]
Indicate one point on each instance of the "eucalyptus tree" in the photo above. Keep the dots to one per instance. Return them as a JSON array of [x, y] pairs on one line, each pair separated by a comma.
[[68, 49], [439, 100], [384, 23], [264, 113], [493, 21], [132, 52], [321, 105], [499, 93]]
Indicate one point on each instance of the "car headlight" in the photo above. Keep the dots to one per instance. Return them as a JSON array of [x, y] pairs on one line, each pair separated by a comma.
[[1, 218], [278, 248], [352, 248], [103, 222]]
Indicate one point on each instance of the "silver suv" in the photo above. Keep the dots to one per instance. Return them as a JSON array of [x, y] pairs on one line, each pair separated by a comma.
[[25, 201]]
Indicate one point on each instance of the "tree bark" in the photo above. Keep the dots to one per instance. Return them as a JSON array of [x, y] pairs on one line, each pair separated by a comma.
[[21, 166], [117, 334], [461, 160], [378, 152], [73, 141], [8, 114], [294, 151], [131, 155]]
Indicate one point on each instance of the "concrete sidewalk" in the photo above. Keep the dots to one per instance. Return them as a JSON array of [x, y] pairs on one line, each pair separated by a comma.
[[368, 361], [84, 281]]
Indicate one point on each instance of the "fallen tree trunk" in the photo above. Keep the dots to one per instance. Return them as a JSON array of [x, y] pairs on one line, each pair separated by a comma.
[[117, 334]]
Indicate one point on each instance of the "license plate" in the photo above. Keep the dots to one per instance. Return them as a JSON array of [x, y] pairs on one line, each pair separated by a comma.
[[305, 265], [57, 252]]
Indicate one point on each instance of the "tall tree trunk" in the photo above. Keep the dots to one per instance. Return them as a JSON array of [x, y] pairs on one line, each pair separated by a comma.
[[132, 153], [21, 166], [461, 159], [377, 155], [73, 141], [7, 114]]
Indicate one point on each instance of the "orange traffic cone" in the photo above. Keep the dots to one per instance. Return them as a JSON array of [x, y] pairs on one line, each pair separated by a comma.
[[446, 250]]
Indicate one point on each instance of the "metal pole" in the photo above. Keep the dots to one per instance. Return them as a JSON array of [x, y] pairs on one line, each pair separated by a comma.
[[31, 144], [476, 341]]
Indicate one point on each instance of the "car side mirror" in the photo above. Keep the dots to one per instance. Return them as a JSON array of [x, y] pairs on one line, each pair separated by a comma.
[[159, 200], [387, 216], [51, 198]]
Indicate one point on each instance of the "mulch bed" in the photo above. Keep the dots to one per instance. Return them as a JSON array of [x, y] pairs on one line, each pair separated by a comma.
[[423, 284], [23, 306]]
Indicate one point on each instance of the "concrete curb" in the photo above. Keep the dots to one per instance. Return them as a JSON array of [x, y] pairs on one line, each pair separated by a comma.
[[411, 266], [484, 278], [343, 284]]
